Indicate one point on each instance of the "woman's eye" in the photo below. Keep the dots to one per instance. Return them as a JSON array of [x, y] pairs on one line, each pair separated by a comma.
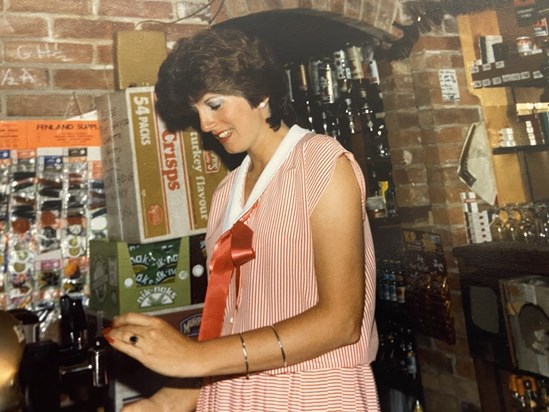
[[215, 106]]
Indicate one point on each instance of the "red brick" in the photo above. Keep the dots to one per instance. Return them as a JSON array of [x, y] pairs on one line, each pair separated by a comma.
[[338, 7], [257, 6], [412, 196], [446, 194], [455, 115], [83, 79], [66, 28], [396, 101], [321, 5], [282, 4], [352, 9], [47, 105], [385, 16], [409, 176], [22, 26], [402, 83], [443, 134], [404, 137], [175, 32], [21, 78], [136, 8], [443, 175], [45, 52], [236, 8], [457, 236], [443, 154], [105, 54], [402, 119], [423, 89], [369, 10], [219, 10], [80, 7], [448, 215]]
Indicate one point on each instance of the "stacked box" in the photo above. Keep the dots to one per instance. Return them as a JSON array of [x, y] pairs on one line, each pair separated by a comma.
[[148, 277], [164, 180]]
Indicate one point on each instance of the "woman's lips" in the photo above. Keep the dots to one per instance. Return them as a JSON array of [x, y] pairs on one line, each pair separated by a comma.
[[223, 135]]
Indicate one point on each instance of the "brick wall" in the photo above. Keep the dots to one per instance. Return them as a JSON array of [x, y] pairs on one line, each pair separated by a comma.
[[57, 55], [426, 137]]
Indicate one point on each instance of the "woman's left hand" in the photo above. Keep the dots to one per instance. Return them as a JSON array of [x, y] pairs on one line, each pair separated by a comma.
[[154, 343]]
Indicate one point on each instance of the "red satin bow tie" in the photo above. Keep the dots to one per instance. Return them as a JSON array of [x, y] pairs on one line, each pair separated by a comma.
[[232, 249]]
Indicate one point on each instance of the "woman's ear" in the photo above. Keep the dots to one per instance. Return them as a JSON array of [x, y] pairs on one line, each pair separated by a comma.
[[263, 104]]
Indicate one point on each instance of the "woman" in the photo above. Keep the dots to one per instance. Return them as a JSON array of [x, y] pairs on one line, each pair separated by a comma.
[[288, 321]]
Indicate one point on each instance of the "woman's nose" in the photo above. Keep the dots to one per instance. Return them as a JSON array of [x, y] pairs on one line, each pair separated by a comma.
[[206, 122]]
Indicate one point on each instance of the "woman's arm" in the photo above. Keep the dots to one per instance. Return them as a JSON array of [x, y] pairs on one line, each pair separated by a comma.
[[167, 399], [335, 321]]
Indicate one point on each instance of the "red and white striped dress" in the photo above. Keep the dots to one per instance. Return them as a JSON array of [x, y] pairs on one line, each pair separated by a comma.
[[280, 283]]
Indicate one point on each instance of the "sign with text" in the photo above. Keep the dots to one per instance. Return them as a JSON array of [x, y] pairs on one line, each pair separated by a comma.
[[32, 134]]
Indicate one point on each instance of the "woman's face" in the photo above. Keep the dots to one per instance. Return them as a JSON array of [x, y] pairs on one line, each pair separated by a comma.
[[238, 126]]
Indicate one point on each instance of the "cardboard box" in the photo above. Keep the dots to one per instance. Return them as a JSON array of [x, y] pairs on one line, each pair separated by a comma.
[[164, 180], [122, 281], [527, 312]]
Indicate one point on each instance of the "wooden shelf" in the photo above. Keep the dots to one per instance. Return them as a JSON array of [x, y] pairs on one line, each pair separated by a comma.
[[520, 71], [520, 149]]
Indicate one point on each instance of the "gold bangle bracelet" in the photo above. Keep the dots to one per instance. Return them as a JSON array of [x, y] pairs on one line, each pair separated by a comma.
[[280, 346], [245, 353]]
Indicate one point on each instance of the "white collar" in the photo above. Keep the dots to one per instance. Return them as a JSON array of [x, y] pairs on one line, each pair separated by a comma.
[[234, 209]]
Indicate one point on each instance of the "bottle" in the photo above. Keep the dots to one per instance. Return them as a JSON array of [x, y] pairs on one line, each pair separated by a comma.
[[381, 142], [358, 85], [530, 398], [389, 195], [400, 286], [411, 361], [375, 96], [392, 286], [417, 407], [402, 351], [543, 398], [387, 282], [301, 97], [327, 85], [366, 118], [343, 72]]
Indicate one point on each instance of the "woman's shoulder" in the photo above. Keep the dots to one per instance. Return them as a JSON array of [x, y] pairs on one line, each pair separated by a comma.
[[316, 145]]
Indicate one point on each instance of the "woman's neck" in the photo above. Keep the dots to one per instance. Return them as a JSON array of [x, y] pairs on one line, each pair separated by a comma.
[[262, 155]]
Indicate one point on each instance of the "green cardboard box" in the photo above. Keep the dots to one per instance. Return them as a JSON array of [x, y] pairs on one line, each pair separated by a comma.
[[115, 289]]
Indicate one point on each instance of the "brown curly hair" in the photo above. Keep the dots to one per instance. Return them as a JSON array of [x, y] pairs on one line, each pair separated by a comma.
[[224, 61]]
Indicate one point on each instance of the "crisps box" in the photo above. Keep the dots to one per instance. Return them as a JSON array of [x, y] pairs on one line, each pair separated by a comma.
[[114, 289], [527, 315], [158, 184]]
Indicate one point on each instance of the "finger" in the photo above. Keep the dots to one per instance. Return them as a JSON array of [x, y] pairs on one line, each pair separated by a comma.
[[130, 344]]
